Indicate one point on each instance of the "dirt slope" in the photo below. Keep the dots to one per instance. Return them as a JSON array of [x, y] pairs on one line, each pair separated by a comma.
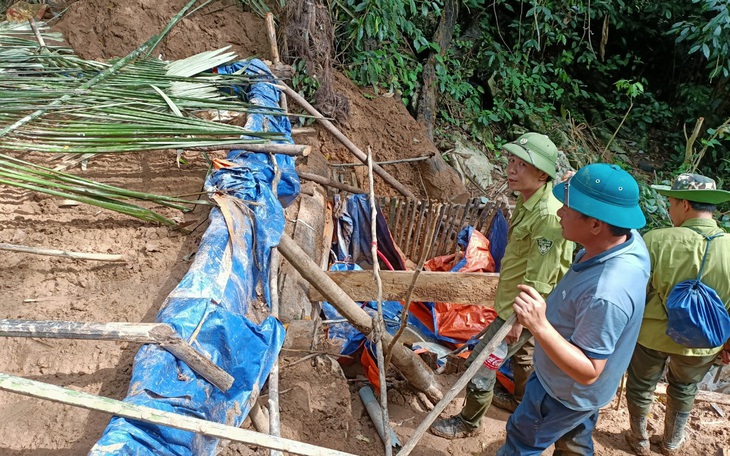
[[319, 405]]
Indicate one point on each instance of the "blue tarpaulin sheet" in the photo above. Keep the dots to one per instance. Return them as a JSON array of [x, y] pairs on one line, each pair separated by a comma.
[[208, 307]]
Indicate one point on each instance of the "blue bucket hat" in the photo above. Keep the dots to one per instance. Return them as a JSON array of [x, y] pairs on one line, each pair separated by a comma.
[[604, 192]]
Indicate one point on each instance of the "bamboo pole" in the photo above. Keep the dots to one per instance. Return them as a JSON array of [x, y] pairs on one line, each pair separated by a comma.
[[144, 333], [150, 415], [271, 34], [459, 385], [282, 149], [330, 183], [62, 253], [346, 142], [409, 364]]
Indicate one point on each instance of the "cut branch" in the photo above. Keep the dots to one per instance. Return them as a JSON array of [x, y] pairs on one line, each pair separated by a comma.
[[62, 253], [346, 142]]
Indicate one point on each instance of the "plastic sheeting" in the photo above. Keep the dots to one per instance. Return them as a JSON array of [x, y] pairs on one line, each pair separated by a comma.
[[458, 323], [208, 307], [434, 322]]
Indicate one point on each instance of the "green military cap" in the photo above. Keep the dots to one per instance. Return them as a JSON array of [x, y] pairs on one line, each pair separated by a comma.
[[694, 187], [536, 149]]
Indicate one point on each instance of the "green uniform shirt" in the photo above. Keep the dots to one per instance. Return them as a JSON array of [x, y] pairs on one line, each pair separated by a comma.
[[536, 253], [676, 255]]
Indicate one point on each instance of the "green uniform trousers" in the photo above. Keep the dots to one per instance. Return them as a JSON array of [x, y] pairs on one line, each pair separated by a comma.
[[480, 389], [683, 374]]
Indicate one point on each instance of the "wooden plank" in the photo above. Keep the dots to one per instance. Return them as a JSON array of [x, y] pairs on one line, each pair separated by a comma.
[[151, 415], [456, 287]]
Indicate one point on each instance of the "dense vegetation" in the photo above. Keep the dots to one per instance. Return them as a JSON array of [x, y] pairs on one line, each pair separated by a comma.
[[618, 80]]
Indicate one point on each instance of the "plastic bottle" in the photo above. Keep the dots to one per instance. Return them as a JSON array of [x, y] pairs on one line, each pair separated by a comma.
[[496, 357]]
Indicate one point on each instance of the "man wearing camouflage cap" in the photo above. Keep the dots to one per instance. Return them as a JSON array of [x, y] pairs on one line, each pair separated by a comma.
[[676, 255], [536, 254], [586, 329]]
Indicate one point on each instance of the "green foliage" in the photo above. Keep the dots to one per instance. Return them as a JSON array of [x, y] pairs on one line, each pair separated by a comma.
[[526, 63], [707, 32], [379, 39], [655, 208]]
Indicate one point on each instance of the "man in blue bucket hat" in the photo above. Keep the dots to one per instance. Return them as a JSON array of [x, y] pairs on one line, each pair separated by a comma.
[[586, 330], [676, 256]]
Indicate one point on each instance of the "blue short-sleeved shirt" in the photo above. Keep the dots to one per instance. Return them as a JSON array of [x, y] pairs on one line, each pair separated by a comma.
[[598, 307]]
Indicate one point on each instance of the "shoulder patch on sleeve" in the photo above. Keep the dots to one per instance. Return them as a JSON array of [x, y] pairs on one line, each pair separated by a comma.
[[543, 245]]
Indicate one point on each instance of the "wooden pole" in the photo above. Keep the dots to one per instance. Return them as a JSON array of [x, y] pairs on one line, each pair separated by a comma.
[[282, 149], [346, 142], [271, 34], [62, 253], [150, 415], [274, 415], [379, 322], [144, 333], [459, 385], [409, 364], [330, 183]]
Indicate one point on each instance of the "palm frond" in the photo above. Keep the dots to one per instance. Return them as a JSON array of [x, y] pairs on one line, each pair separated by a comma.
[[57, 102], [53, 101]]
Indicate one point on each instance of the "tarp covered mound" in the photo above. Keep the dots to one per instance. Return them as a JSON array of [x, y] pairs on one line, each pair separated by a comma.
[[208, 307], [443, 323]]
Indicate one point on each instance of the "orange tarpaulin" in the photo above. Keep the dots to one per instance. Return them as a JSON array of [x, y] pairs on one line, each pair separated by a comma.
[[459, 321]]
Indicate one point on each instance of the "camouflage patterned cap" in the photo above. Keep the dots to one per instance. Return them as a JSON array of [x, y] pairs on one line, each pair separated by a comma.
[[694, 187]]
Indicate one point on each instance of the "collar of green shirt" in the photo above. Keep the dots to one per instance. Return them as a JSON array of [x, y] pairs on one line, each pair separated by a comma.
[[706, 223], [530, 204]]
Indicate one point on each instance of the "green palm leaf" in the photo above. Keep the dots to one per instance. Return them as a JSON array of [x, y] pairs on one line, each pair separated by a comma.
[[54, 101]]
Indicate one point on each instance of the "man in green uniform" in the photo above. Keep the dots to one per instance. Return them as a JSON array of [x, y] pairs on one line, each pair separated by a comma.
[[536, 255], [676, 255]]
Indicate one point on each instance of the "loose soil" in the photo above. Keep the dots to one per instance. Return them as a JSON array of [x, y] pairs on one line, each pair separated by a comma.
[[319, 404]]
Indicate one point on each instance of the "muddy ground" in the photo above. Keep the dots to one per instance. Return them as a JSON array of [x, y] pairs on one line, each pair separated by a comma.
[[319, 404]]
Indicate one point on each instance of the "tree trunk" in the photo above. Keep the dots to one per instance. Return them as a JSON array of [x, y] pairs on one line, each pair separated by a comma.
[[429, 95]]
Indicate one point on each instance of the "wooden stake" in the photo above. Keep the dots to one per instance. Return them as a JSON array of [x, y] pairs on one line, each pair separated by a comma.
[[459, 385], [150, 415], [62, 253], [346, 142], [144, 333], [409, 364], [271, 34], [274, 415], [330, 183], [378, 322]]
